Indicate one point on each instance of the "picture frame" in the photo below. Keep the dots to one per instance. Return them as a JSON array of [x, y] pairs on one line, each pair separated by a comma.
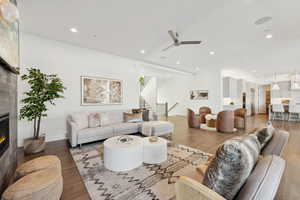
[[199, 95], [101, 91], [9, 48]]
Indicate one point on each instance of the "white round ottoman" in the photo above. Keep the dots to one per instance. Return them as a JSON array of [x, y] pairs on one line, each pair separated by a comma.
[[123, 153], [155, 152]]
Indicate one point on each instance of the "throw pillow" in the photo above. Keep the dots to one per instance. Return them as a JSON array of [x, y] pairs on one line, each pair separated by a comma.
[[81, 119], [264, 135], [232, 165], [94, 120], [133, 117], [104, 119]]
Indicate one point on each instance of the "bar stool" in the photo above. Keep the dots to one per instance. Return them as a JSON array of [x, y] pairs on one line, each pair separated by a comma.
[[294, 112], [278, 111]]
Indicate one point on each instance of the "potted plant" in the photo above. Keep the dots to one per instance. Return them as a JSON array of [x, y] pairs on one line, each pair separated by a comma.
[[44, 89]]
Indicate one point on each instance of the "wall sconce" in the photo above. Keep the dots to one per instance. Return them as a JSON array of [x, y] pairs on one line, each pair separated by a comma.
[[8, 11]]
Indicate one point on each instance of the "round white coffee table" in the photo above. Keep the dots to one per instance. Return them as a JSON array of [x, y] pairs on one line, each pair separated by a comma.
[[123, 153], [155, 152]]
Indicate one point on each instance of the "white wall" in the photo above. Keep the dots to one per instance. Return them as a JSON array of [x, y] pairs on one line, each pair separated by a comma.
[[71, 62], [177, 90]]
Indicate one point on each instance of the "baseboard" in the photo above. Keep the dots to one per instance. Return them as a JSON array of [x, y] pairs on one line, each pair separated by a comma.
[[48, 139]]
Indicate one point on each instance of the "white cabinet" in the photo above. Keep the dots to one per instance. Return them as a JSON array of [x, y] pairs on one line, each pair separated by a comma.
[[233, 88], [229, 87], [226, 87]]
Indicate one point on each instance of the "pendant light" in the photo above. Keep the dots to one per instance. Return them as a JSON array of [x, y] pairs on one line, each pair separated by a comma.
[[275, 84], [8, 11]]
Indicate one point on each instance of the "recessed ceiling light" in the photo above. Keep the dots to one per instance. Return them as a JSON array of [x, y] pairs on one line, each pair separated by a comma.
[[212, 53], [143, 51], [269, 36], [73, 30], [178, 62]]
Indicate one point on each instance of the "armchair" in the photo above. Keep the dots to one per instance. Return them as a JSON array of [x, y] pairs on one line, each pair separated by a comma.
[[225, 121], [240, 118], [203, 111], [193, 120]]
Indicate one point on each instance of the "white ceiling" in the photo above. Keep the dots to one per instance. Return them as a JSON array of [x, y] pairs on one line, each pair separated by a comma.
[[225, 27]]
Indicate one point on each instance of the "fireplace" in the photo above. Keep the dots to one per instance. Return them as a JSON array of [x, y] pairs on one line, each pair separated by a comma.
[[4, 133]]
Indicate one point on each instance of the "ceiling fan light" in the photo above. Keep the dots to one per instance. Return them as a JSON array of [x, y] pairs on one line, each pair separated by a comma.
[[9, 12]]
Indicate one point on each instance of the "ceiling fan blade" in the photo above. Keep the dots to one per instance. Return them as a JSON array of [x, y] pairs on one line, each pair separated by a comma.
[[190, 42], [173, 36], [165, 49]]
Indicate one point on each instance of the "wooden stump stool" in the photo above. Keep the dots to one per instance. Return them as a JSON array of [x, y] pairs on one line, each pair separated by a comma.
[[37, 164], [45, 184]]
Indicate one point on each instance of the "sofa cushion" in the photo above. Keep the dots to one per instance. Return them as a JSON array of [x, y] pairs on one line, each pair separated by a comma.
[[277, 143], [232, 165], [92, 134], [81, 119], [104, 120], [264, 179], [125, 128], [264, 135], [94, 120]]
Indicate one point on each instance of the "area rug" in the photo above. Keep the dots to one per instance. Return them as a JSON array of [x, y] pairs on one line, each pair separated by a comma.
[[148, 182]]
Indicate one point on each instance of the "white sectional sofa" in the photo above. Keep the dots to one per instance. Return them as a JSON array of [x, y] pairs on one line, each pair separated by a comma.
[[79, 132]]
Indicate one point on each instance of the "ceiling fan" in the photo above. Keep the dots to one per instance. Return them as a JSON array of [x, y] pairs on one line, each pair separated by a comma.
[[177, 42]]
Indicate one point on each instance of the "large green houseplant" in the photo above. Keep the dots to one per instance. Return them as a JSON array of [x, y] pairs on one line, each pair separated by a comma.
[[44, 89]]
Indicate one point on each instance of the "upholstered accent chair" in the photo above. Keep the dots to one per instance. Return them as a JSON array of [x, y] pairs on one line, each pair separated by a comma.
[[193, 119], [240, 118], [225, 121], [203, 111]]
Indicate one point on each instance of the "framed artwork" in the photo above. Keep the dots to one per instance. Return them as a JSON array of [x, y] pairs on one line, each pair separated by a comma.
[[101, 91], [199, 94], [9, 37]]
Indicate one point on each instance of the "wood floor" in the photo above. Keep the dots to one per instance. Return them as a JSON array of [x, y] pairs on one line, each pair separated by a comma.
[[207, 141]]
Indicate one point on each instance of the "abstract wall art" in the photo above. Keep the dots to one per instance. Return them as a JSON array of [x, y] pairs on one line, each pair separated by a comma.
[[101, 91]]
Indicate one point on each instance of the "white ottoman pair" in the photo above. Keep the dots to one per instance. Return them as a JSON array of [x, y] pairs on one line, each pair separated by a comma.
[[125, 153]]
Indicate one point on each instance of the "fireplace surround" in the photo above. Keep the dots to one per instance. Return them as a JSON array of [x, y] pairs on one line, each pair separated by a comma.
[[4, 133], [8, 126]]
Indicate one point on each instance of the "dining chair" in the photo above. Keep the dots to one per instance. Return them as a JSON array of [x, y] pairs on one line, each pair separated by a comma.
[[278, 111], [294, 112]]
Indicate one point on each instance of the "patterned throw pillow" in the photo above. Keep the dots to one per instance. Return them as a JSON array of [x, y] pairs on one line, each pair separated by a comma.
[[133, 117], [264, 135], [232, 165], [94, 120]]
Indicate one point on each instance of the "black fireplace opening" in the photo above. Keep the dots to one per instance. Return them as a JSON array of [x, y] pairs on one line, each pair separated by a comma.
[[4, 133]]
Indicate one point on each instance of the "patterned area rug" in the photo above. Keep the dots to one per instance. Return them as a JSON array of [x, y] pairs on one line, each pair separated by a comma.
[[148, 182]]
